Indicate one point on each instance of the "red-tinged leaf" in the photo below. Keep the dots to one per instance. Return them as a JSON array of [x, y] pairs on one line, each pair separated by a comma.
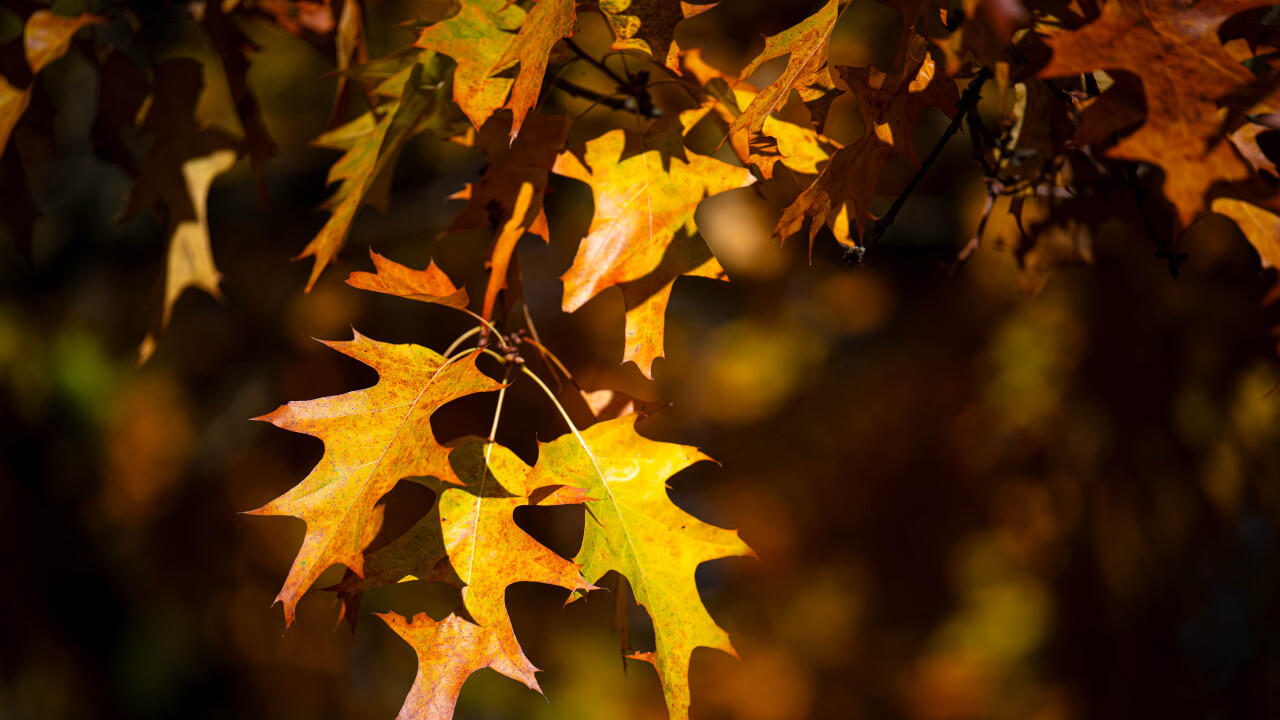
[[373, 438], [431, 285], [805, 46], [633, 528], [642, 236], [448, 652], [1187, 76]]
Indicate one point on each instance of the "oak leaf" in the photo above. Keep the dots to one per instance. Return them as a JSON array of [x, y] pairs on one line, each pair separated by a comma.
[[1260, 227], [371, 144], [633, 528], [642, 235], [190, 258], [431, 285], [547, 23], [890, 104], [1186, 75], [475, 38], [448, 652], [480, 40], [373, 438], [805, 45]]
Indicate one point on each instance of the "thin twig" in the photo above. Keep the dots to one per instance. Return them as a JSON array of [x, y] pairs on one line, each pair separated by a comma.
[[622, 84], [967, 101]]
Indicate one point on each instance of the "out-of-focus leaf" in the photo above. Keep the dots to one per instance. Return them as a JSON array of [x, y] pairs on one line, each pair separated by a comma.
[[649, 26], [1187, 76], [190, 262], [1262, 228], [45, 38]]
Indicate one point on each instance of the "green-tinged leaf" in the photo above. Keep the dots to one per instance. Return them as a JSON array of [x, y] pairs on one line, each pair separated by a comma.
[[633, 528]]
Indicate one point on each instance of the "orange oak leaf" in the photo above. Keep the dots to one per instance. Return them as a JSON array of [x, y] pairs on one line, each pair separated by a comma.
[[547, 23], [805, 45], [448, 652], [371, 144], [633, 528], [476, 38], [429, 286], [649, 26], [45, 38], [373, 438], [1186, 77], [504, 246], [642, 236]]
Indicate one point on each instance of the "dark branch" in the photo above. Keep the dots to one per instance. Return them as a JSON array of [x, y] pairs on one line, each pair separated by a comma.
[[967, 102]]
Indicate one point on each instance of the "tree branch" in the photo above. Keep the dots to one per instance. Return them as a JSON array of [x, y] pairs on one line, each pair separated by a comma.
[[972, 93]]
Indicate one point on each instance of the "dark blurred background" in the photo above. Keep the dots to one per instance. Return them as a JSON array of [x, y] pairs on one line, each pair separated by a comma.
[[968, 501]]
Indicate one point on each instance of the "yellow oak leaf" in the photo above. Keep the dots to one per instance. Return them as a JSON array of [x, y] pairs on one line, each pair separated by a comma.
[[633, 528]]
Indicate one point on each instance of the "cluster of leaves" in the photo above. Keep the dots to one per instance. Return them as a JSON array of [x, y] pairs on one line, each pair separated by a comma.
[[1148, 112]]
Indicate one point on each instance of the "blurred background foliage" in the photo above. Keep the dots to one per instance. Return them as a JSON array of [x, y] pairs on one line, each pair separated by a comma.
[[969, 501]]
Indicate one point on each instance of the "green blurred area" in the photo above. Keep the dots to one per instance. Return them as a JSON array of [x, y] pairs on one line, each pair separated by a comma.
[[967, 501]]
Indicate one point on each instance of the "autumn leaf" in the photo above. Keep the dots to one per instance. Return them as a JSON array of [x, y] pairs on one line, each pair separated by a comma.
[[430, 286], [649, 26], [373, 438], [479, 40], [509, 166], [1260, 227], [372, 145], [642, 236], [475, 38], [176, 173], [233, 48], [1186, 75], [486, 548], [420, 553], [547, 23], [190, 262], [45, 38], [448, 652], [805, 45], [890, 105], [633, 528]]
